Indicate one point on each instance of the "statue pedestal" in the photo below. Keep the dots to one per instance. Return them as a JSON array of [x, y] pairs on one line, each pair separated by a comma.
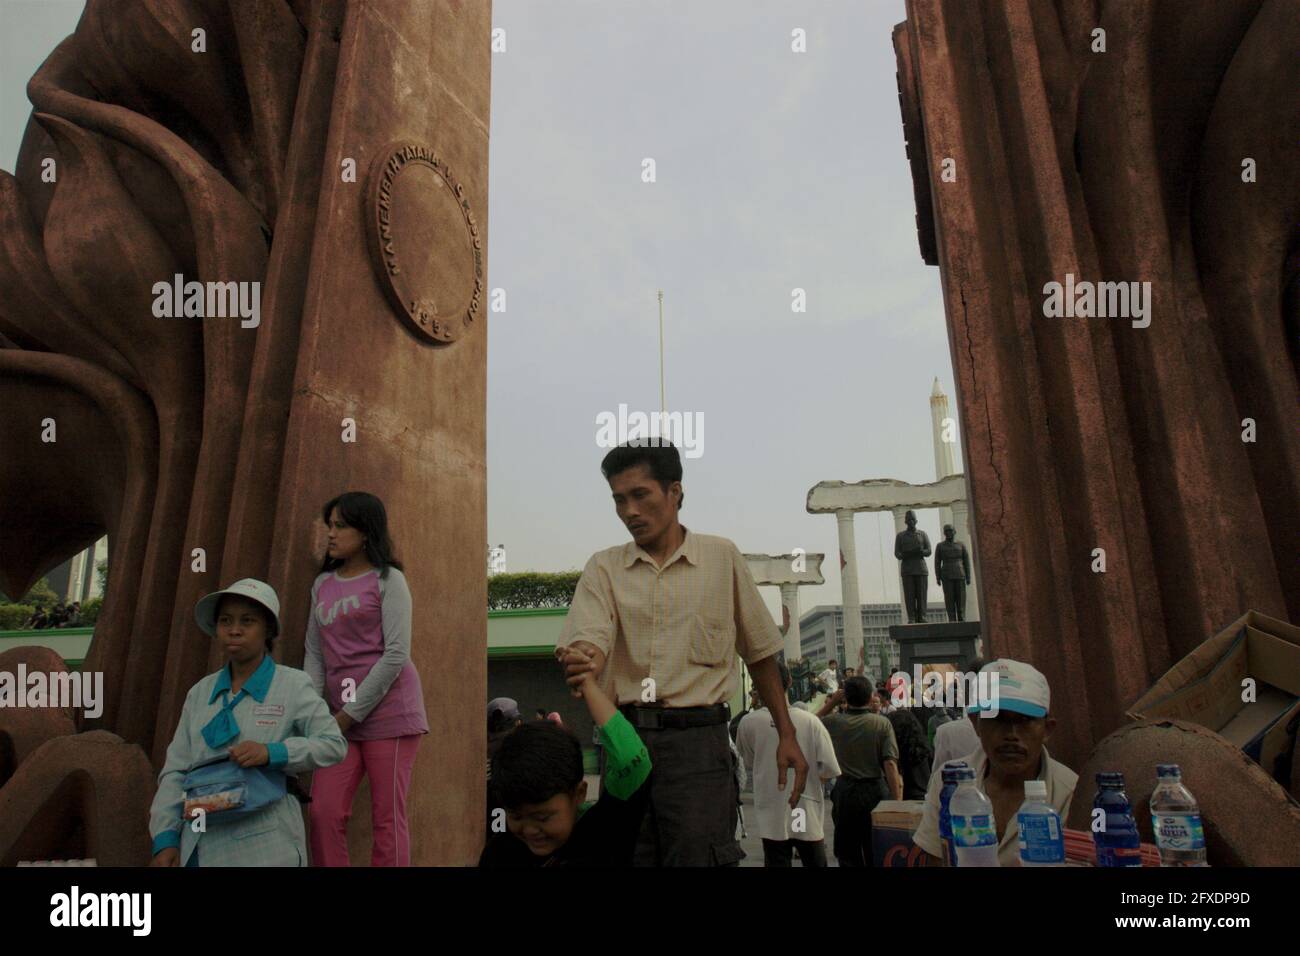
[[949, 642]]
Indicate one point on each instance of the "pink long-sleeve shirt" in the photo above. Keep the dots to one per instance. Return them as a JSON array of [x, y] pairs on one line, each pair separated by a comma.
[[358, 653]]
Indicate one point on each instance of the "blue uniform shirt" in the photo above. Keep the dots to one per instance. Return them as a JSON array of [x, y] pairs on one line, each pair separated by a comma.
[[278, 707]]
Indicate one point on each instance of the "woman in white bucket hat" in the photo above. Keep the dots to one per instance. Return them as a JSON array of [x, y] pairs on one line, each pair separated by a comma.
[[223, 798]]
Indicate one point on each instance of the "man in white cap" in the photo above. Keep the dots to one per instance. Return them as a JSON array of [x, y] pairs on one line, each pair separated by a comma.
[[1013, 725]]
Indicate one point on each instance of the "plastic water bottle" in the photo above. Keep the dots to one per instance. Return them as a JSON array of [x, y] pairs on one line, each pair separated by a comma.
[[1042, 841], [1118, 844], [1176, 820], [949, 774], [973, 830]]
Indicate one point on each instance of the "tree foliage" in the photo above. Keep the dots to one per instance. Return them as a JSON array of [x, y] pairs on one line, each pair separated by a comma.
[[531, 589]]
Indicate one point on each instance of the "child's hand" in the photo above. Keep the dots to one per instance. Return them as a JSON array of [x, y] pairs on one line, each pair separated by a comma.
[[579, 666]]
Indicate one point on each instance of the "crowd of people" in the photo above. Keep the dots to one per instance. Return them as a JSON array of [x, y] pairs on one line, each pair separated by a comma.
[[649, 644], [867, 745], [870, 746], [671, 611], [60, 615]]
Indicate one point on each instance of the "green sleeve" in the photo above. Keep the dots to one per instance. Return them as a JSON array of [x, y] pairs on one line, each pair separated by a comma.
[[627, 763]]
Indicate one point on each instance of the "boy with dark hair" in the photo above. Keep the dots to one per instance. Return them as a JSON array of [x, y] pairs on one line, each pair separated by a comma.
[[537, 776]]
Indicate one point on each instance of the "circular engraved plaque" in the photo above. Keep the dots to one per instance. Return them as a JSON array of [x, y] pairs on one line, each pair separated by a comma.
[[424, 241]]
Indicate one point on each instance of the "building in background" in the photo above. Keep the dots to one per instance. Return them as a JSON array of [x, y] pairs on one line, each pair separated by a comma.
[[496, 559], [817, 626], [75, 578]]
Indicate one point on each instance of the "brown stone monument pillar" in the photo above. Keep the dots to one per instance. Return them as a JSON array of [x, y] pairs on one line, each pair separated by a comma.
[[1108, 141], [410, 106]]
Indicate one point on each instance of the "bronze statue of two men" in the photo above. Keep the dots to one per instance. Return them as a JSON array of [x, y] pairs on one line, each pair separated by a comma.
[[951, 568]]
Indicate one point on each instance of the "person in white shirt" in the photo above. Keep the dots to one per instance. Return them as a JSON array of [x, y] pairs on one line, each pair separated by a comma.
[[830, 677], [957, 738], [782, 829], [954, 740]]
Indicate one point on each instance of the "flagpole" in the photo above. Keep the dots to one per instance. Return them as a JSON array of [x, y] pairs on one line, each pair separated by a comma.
[[663, 407]]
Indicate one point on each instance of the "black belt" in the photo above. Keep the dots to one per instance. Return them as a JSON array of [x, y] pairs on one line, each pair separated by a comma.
[[660, 718]]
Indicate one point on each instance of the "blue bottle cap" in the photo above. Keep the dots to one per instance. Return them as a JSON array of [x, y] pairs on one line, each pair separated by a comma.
[[1168, 770], [1111, 780]]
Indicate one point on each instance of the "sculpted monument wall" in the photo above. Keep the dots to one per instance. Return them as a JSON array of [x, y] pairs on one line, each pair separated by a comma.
[[1109, 191], [315, 173], [1139, 141]]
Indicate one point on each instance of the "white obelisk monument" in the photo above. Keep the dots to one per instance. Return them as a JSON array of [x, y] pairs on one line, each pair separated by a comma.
[[944, 426]]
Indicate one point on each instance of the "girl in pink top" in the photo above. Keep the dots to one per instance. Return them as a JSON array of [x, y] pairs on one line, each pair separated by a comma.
[[358, 655]]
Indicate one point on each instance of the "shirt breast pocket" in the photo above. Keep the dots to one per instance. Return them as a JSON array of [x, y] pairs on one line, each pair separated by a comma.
[[712, 639]]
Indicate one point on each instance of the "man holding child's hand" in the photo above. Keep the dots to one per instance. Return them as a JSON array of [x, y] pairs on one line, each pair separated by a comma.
[[667, 614]]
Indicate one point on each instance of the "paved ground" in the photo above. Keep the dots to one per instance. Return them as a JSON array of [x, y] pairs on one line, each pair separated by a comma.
[[750, 843]]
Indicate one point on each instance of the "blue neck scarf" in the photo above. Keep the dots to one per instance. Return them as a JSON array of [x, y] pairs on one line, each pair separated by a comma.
[[223, 728]]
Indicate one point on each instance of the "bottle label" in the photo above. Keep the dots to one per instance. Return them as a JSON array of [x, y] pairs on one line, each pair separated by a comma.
[[972, 831], [1178, 831], [1040, 838], [1119, 856]]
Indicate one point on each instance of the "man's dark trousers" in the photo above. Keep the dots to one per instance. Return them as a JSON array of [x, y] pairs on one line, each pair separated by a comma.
[[852, 803], [778, 852], [954, 598], [915, 589], [692, 815]]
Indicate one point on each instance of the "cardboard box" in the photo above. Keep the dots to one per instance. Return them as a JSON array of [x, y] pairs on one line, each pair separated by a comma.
[[892, 824], [1206, 688]]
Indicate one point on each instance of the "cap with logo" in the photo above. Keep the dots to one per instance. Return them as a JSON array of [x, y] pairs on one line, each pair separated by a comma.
[[205, 612], [1020, 688]]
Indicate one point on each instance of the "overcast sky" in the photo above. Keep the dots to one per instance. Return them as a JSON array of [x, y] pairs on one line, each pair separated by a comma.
[[775, 170]]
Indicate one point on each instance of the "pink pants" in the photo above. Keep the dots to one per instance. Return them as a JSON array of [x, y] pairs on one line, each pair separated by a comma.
[[388, 763]]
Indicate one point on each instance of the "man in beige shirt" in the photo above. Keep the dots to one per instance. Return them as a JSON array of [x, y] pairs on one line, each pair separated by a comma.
[[660, 620]]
